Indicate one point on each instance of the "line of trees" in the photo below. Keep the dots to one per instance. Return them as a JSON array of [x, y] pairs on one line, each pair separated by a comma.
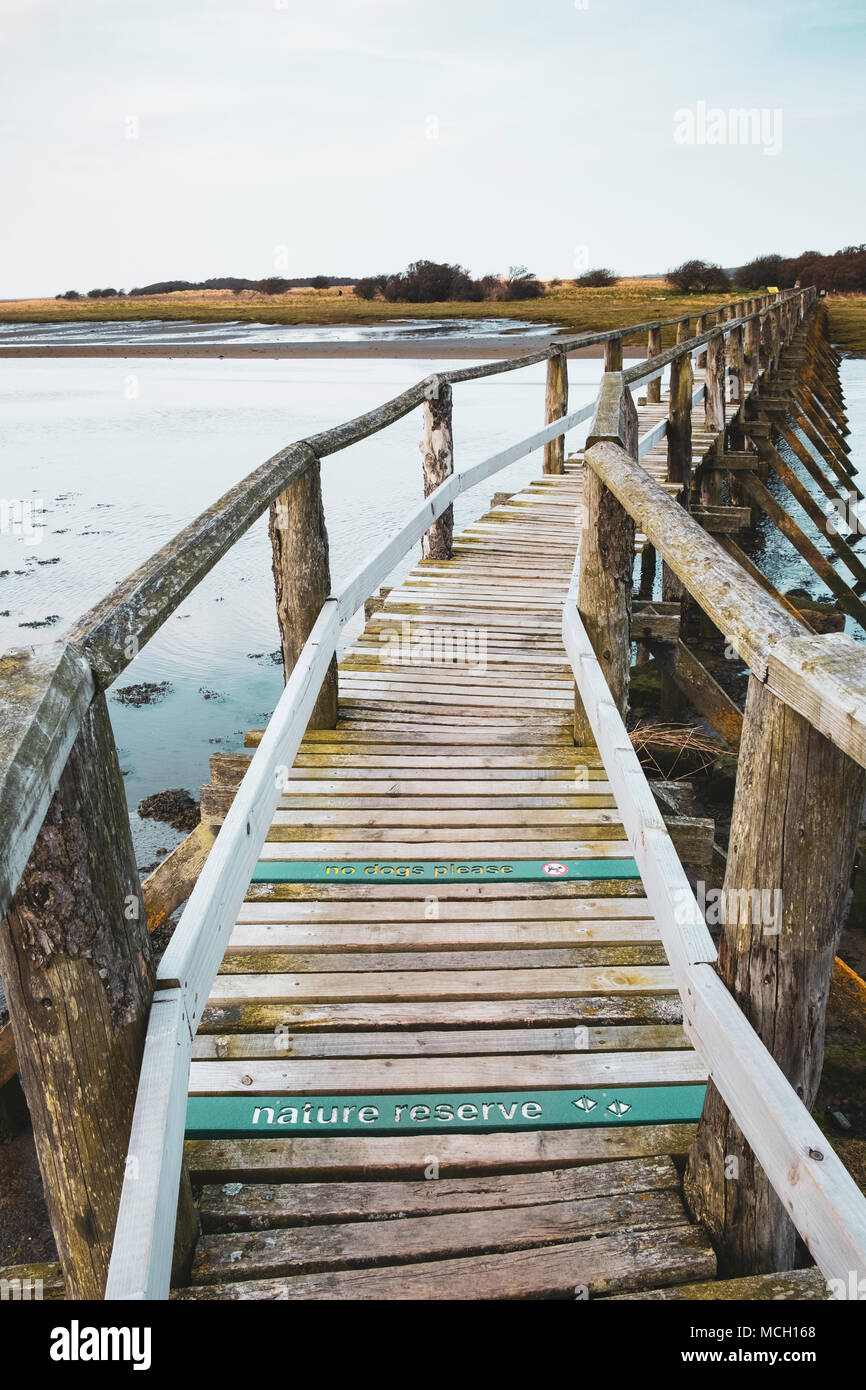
[[842, 272], [272, 284]]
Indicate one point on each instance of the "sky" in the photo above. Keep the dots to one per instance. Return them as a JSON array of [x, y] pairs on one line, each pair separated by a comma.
[[154, 139]]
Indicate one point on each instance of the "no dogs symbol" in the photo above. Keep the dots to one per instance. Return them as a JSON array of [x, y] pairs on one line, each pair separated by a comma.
[[554, 869]]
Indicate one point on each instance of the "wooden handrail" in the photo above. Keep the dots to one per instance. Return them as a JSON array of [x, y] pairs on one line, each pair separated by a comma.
[[822, 678], [821, 1197]]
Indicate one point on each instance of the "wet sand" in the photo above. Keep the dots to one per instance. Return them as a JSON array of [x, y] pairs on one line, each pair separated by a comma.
[[423, 348]]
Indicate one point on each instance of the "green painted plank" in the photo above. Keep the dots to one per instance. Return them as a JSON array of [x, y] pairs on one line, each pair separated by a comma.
[[394, 871], [223, 1117]]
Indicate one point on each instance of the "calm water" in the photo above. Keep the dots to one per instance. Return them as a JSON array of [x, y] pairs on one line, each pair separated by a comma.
[[121, 454]]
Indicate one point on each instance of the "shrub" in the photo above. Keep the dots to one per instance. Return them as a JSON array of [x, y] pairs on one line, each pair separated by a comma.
[[431, 282], [370, 286], [762, 271], [273, 284], [596, 279], [521, 283], [320, 282], [695, 277]]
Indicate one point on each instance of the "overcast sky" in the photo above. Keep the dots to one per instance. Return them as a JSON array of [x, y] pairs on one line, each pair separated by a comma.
[[152, 139]]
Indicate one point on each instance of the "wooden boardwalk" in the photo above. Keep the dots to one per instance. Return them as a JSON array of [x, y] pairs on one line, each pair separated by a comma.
[[472, 987], [405, 1072]]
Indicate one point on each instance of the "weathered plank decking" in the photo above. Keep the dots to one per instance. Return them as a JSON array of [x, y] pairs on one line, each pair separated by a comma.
[[476, 987]]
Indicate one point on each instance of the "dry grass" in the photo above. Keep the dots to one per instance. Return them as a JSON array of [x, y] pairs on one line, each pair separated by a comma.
[[661, 748], [567, 306], [848, 321]]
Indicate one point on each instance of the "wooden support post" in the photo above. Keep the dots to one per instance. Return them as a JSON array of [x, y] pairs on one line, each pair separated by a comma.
[[613, 355], [703, 691], [751, 346], [653, 348], [302, 578], [555, 406], [736, 364], [766, 347], [76, 968], [437, 447], [714, 404], [647, 571], [702, 326], [793, 838], [684, 330], [679, 442], [607, 554], [775, 339]]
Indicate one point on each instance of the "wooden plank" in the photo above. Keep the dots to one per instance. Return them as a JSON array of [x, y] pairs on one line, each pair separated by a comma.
[[625, 1260], [470, 1155], [797, 1285], [722, 519], [258, 1206], [310, 1249], [173, 880], [362, 1076], [435, 935], [513, 1041], [420, 985], [587, 913], [526, 957], [574, 1010]]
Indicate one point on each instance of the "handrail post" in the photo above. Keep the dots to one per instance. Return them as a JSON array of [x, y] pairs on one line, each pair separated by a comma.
[[714, 403], [793, 839], [607, 554], [701, 326], [555, 406], [684, 330], [766, 344], [437, 448], [302, 578], [613, 354], [76, 966], [653, 348], [751, 346], [736, 363], [775, 336], [679, 442]]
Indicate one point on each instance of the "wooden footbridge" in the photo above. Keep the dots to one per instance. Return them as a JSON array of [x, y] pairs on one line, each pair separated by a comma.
[[440, 1012]]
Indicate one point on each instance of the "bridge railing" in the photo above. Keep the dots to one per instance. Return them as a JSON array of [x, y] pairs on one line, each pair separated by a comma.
[[758, 1021], [63, 818]]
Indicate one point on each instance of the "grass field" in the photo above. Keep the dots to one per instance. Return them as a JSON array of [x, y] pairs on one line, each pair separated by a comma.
[[568, 307]]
